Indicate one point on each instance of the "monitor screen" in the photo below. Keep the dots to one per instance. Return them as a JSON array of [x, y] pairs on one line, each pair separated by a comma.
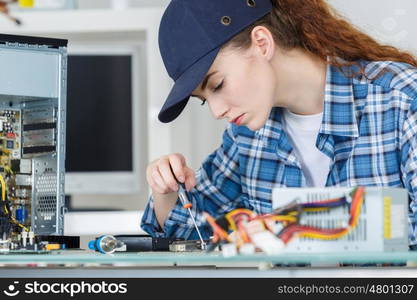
[[105, 116], [99, 113]]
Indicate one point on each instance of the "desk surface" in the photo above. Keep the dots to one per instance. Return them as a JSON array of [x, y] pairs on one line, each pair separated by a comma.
[[82, 263], [146, 258]]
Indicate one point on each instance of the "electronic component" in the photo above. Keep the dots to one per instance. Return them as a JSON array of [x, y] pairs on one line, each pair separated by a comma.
[[187, 246], [318, 220], [382, 224], [139, 243], [229, 250], [39, 131], [66, 242], [23, 166], [21, 214], [9, 144], [50, 247]]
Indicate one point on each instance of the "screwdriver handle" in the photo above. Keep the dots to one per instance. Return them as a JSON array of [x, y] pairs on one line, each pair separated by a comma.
[[183, 197], [181, 191], [187, 205]]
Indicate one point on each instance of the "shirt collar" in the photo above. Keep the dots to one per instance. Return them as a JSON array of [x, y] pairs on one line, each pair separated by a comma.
[[339, 114], [273, 127], [272, 136]]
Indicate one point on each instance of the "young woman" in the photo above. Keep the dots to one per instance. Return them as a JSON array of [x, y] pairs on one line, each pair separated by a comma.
[[311, 101]]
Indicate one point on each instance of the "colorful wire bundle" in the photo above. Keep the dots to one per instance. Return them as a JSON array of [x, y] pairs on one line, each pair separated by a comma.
[[238, 221], [327, 234]]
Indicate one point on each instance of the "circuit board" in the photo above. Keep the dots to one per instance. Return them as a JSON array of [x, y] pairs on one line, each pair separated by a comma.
[[16, 190], [26, 140]]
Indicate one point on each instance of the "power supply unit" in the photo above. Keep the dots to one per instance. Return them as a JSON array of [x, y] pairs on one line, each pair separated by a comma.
[[382, 224]]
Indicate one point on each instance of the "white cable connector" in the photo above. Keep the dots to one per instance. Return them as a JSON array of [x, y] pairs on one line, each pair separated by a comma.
[[31, 237], [247, 249], [268, 242], [229, 250], [24, 237]]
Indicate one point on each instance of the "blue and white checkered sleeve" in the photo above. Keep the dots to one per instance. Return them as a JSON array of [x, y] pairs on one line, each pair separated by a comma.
[[218, 190], [408, 144]]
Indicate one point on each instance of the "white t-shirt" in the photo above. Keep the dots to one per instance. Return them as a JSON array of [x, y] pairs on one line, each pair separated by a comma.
[[302, 131]]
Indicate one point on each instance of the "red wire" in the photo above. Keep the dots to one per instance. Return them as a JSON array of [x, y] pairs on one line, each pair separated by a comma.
[[292, 229], [355, 202], [288, 232]]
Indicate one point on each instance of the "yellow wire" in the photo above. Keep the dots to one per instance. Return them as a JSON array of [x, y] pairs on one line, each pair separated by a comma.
[[229, 216], [338, 235], [324, 236], [3, 188], [283, 218], [316, 209], [231, 222], [3, 198], [9, 170], [239, 211]]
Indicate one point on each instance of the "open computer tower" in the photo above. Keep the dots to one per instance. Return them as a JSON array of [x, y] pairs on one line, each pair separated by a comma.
[[32, 141]]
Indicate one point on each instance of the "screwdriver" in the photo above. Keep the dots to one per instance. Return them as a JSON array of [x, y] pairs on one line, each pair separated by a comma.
[[188, 205]]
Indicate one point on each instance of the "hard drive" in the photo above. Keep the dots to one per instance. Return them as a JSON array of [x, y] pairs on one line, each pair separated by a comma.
[[139, 243]]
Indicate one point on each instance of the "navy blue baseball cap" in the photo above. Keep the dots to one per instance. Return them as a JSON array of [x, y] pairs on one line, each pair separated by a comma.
[[191, 35]]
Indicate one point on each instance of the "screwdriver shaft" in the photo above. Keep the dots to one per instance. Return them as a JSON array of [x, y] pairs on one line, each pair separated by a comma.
[[203, 244], [184, 200]]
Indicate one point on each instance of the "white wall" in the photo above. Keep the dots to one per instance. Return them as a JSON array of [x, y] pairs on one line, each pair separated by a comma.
[[94, 4], [388, 21]]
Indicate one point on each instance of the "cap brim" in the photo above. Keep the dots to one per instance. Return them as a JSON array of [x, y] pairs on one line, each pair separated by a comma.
[[184, 86]]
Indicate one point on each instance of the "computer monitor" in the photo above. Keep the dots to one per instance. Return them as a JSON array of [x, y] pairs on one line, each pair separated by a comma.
[[105, 113]]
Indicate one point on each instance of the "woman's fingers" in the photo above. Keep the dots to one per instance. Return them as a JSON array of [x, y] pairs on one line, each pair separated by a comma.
[[161, 186], [190, 180], [164, 168], [162, 174], [177, 163]]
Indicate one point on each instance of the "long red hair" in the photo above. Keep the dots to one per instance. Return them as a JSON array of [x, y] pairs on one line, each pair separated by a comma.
[[316, 27]]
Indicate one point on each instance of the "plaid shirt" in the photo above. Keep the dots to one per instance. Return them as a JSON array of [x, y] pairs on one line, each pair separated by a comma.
[[369, 131]]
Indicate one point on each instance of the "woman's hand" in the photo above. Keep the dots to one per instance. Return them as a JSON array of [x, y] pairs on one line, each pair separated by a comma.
[[162, 174]]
